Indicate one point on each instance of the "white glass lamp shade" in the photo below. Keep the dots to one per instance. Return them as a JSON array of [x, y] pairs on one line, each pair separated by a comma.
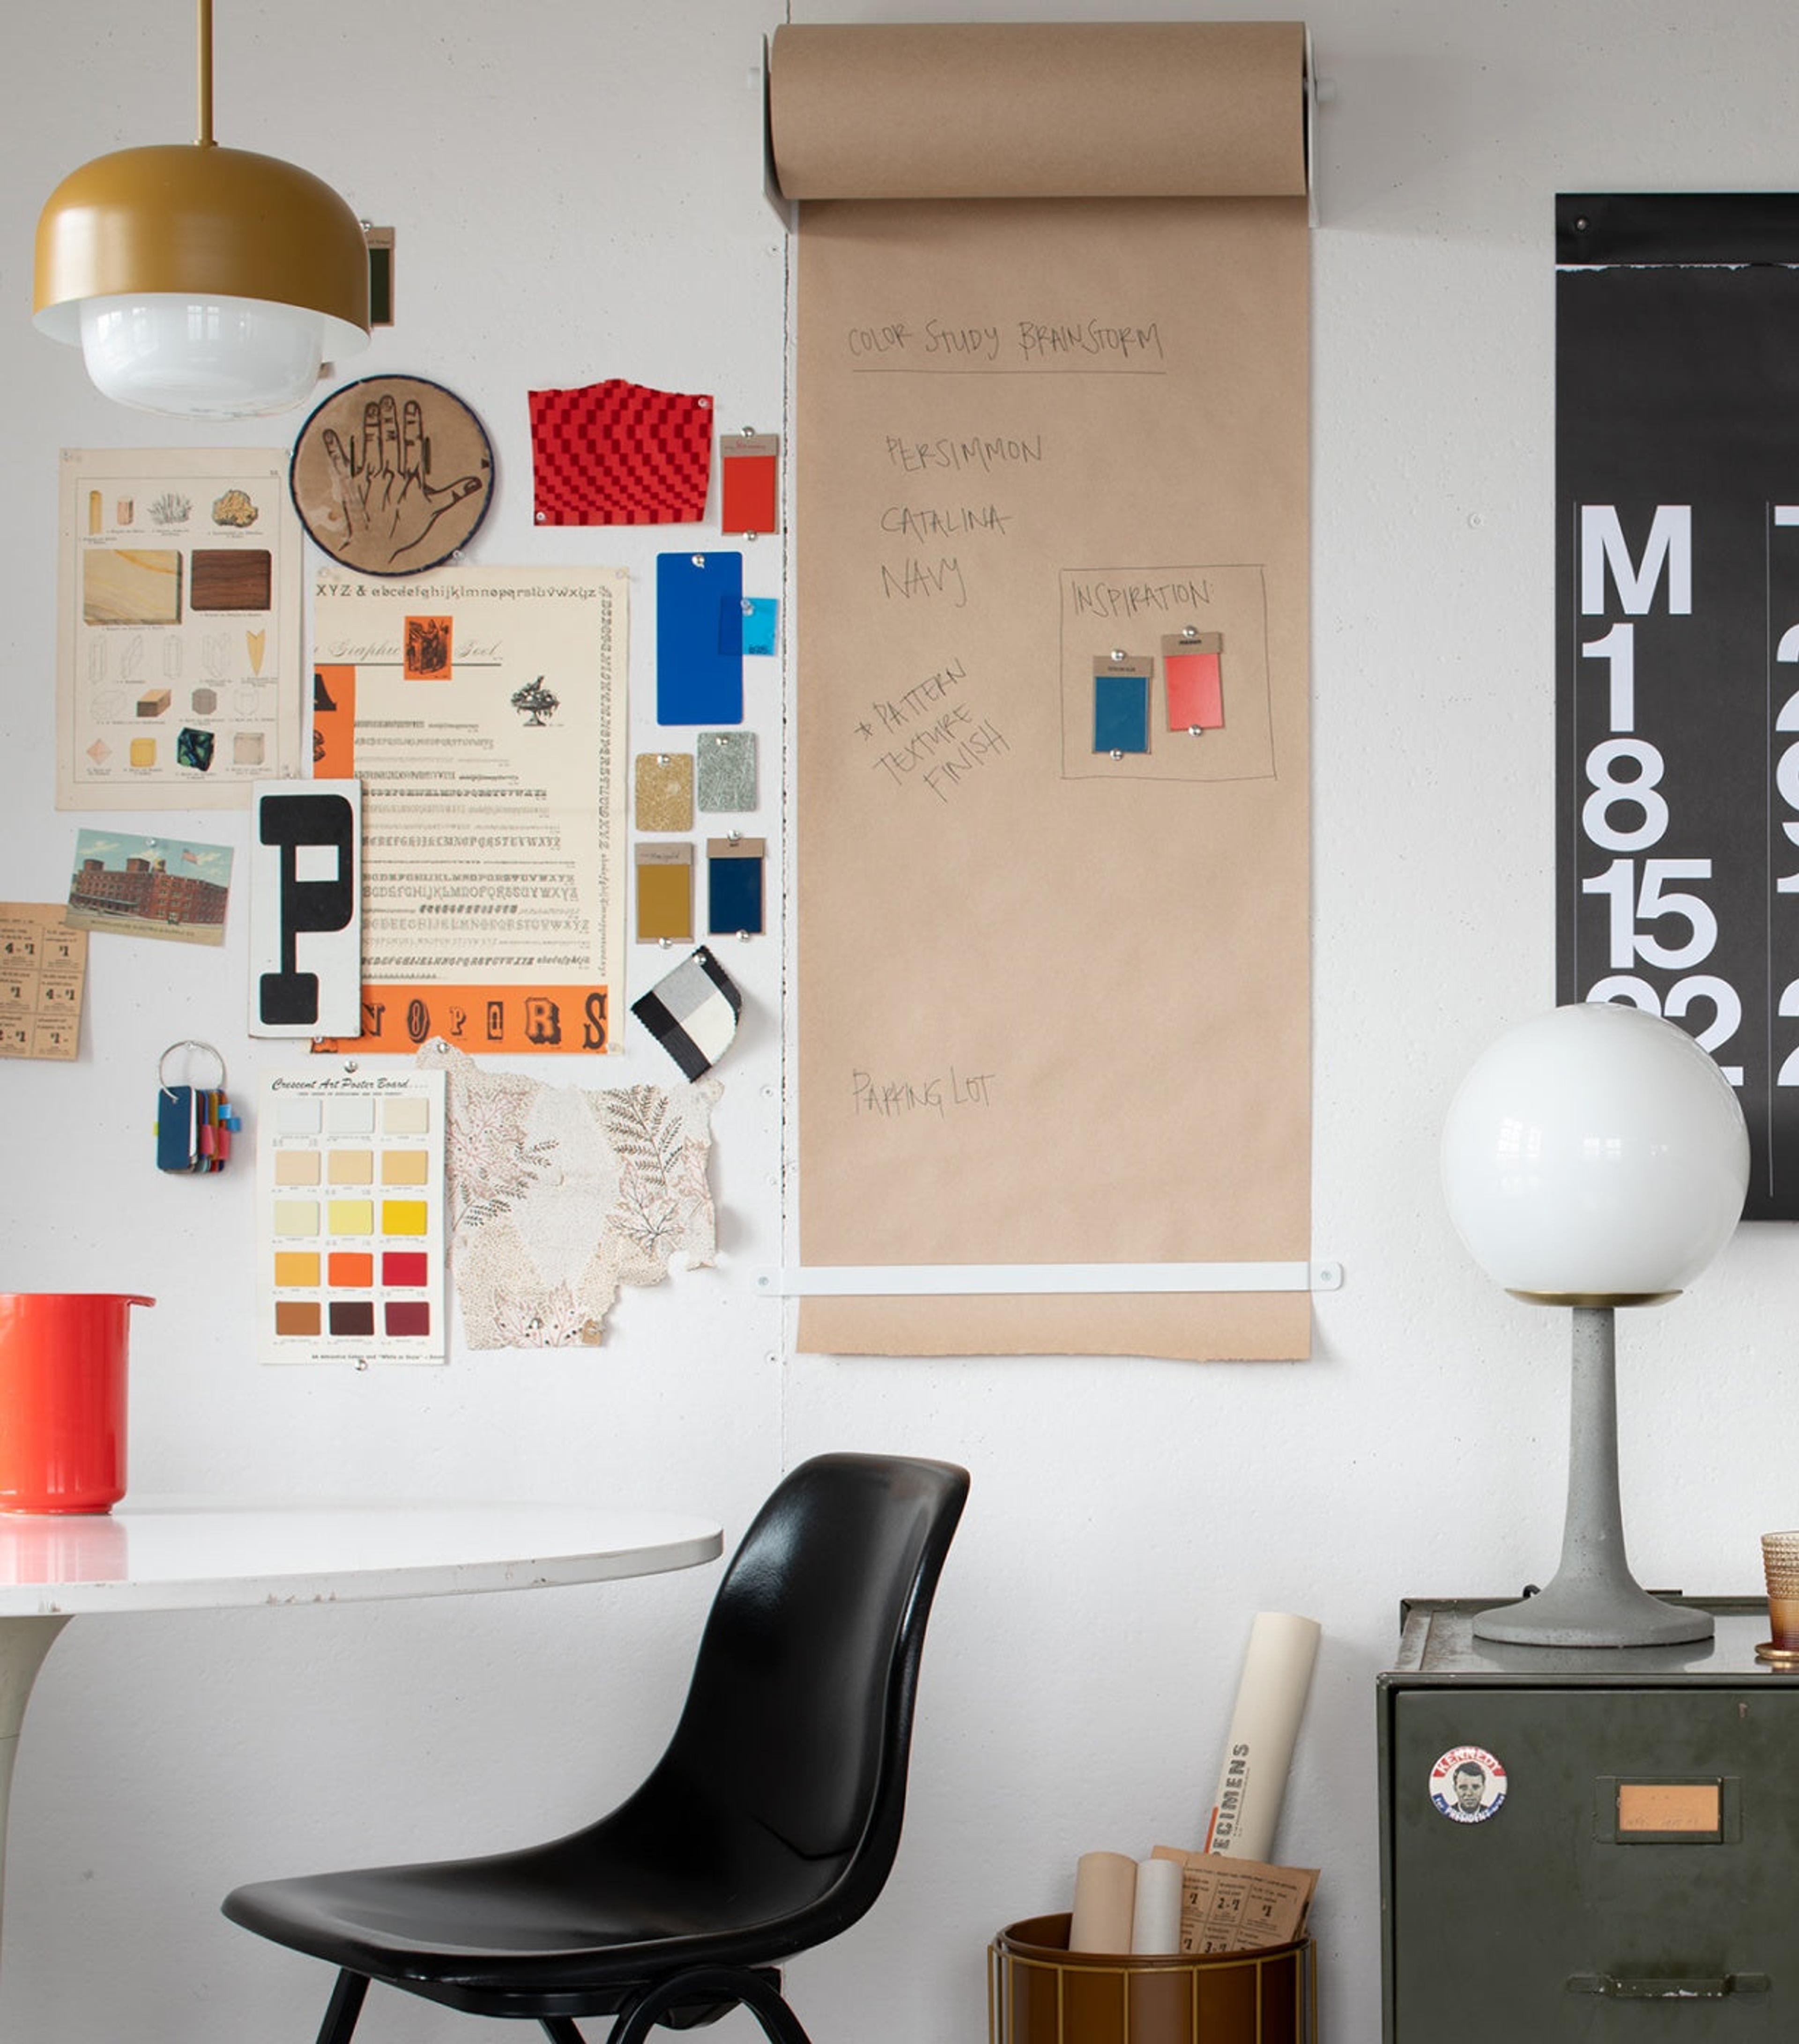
[[1596, 1155], [219, 358]]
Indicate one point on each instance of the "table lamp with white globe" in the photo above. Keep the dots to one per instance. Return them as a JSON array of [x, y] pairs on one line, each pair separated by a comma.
[[1595, 1157]]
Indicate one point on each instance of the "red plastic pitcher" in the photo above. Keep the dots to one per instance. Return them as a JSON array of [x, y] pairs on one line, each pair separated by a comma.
[[63, 1399]]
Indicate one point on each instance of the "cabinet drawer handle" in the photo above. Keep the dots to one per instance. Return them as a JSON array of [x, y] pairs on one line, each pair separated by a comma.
[[1713, 1989]]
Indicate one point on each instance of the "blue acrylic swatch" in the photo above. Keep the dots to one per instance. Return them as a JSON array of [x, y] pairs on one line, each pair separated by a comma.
[[761, 621], [699, 663]]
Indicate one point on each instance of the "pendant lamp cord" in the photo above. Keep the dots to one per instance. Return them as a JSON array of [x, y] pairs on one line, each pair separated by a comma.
[[204, 138]]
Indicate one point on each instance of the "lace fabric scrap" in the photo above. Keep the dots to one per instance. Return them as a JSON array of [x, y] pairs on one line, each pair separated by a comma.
[[558, 1195]]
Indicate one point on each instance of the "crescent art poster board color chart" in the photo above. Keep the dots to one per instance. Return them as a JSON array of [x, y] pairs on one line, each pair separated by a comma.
[[349, 1218]]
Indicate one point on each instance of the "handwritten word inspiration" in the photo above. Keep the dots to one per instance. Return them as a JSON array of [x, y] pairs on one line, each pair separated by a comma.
[[1138, 599]]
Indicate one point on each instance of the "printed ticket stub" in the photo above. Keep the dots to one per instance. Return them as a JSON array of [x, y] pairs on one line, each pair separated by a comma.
[[43, 967], [1239, 1905]]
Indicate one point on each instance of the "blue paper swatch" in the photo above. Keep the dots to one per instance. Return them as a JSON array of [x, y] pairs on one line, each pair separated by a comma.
[[734, 895], [1120, 712]]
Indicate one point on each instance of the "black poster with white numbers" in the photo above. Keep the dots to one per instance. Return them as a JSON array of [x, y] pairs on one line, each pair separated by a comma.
[[1676, 604]]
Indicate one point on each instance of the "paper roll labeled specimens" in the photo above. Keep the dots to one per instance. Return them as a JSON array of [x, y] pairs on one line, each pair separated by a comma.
[[1277, 1671], [1105, 1892]]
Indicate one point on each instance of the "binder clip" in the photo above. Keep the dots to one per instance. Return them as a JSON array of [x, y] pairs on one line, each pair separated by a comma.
[[194, 1125]]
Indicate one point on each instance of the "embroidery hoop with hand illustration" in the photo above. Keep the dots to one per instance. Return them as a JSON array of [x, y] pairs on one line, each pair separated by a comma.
[[392, 475]]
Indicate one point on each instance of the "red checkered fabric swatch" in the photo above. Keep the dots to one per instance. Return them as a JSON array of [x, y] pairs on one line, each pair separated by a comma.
[[616, 454]]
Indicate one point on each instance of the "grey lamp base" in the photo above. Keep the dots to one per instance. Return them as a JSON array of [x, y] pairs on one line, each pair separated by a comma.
[[1593, 1614], [1593, 1600]]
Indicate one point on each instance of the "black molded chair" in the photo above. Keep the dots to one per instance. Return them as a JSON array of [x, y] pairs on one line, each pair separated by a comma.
[[768, 1826]]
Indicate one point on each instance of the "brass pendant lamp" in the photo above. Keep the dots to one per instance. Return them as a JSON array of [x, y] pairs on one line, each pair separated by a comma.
[[207, 283]]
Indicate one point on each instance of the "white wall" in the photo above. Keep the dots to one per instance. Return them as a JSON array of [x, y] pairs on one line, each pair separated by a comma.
[[577, 193]]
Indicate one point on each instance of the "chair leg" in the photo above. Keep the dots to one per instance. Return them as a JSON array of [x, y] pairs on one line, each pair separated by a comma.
[[344, 2006], [758, 1991], [769, 2006], [560, 2030]]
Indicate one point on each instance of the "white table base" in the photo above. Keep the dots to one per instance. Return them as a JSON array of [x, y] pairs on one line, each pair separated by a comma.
[[23, 1642]]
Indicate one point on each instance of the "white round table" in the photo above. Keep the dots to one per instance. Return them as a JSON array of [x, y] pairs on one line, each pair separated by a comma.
[[188, 1553]]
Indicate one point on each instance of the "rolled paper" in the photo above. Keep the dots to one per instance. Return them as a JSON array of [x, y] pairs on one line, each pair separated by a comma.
[[1277, 1672], [1038, 110], [1155, 1914], [1106, 1885]]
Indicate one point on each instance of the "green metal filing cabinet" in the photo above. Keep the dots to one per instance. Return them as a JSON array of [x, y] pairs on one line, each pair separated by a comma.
[[1588, 1845]]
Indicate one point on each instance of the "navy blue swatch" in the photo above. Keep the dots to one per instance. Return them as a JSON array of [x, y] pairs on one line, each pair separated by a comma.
[[734, 896]]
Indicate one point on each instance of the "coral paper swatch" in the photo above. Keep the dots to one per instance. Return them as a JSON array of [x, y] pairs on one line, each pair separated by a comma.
[[619, 454]]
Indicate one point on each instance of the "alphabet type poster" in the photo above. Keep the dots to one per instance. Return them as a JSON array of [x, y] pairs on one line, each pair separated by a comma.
[[1678, 643], [483, 713], [178, 645], [1050, 413]]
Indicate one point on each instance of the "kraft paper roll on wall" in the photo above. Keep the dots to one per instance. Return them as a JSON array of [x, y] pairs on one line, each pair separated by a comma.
[[1213, 284], [1155, 1914], [1277, 1671], [1105, 1884], [1137, 110]]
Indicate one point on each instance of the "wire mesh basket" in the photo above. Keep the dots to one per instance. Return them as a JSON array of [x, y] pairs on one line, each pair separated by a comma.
[[1039, 1992]]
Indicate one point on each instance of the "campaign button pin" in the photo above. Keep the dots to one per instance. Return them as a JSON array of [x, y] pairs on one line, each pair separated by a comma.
[[1467, 1784]]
